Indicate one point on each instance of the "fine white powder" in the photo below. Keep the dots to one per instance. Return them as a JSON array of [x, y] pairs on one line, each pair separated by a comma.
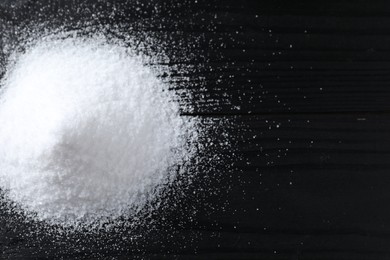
[[88, 131]]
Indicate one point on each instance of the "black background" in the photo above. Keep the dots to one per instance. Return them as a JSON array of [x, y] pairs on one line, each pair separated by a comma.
[[307, 84]]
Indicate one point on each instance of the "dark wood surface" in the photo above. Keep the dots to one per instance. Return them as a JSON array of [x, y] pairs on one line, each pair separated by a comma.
[[308, 87]]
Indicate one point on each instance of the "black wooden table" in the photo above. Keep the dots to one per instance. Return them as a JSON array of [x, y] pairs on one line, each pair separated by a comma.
[[307, 85]]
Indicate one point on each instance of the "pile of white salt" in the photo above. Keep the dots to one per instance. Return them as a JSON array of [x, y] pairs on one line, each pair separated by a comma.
[[88, 131]]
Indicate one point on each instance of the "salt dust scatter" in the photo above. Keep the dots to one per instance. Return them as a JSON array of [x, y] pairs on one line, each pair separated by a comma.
[[88, 131]]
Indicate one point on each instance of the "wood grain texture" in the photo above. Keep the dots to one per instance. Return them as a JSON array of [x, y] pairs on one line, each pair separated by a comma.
[[308, 85]]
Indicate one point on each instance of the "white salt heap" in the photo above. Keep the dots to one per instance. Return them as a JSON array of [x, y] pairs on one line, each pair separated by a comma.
[[87, 131]]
